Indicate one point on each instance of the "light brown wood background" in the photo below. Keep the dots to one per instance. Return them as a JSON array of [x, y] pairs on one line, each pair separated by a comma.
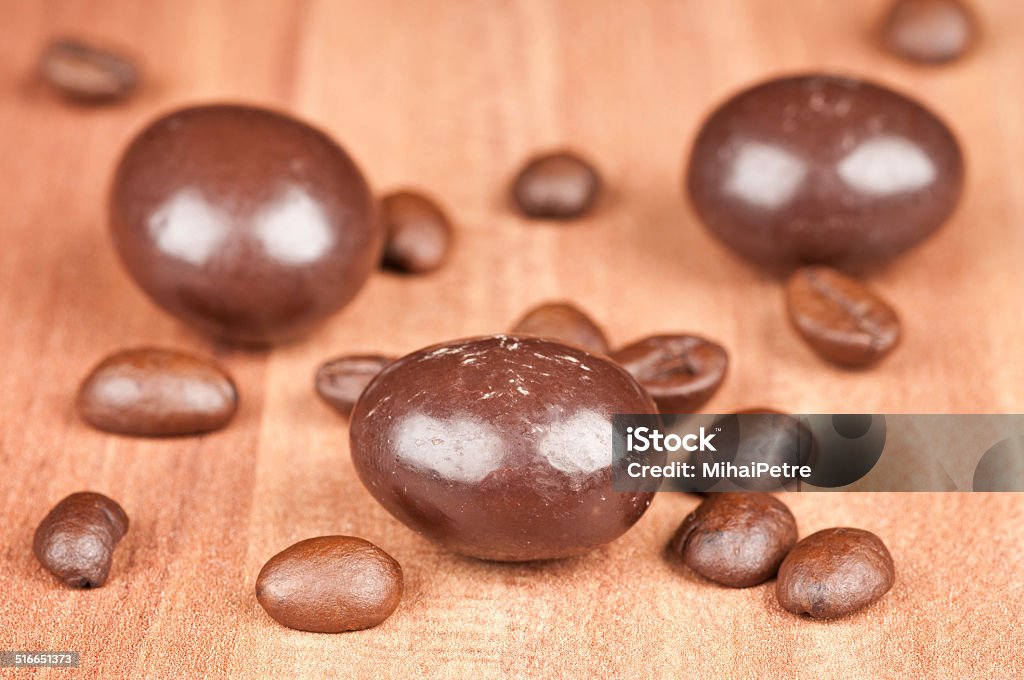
[[451, 96]]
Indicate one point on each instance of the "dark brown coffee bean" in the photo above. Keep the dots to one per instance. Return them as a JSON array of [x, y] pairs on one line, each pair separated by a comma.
[[76, 539], [340, 381], [157, 392], [88, 72], [841, 318], [681, 372], [564, 322], [556, 186], [736, 539], [835, 572], [330, 584], [775, 438], [932, 31], [820, 168], [418, 233]]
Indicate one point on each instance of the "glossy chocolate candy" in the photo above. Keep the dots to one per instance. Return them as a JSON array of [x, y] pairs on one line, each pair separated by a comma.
[[499, 447], [820, 168], [244, 223]]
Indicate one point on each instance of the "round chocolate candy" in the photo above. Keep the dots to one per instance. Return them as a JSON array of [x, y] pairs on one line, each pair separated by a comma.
[[499, 447], [245, 223], [820, 168]]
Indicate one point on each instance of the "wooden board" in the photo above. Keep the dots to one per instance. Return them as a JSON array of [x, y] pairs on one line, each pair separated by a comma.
[[451, 97]]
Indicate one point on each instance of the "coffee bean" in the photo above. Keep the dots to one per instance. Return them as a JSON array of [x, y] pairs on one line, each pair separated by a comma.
[[88, 72], [157, 392], [556, 186], [736, 539], [340, 381], [76, 539], [564, 322], [835, 572], [330, 584], [820, 168], [681, 372], [932, 31], [749, 437], [418, 233], [841, 318]]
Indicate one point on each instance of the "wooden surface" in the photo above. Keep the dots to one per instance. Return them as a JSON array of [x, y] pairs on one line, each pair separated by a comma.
[[451, 97]]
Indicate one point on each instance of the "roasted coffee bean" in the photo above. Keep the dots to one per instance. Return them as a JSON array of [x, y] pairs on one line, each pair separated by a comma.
[[87, 72], [680, 371], [834, 572], [929, 30], [417, 232], [330, 584], [157, 392], [500, 447], [564, 322], [556, 186], [747, 438], [841, 318], [736, 539], [340, 381], [820, 168], [76, 539], [244, 223]]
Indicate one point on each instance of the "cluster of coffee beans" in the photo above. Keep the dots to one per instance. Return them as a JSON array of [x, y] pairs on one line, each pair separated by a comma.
[[275, 263], [681, 372], [328, 584], [744, 539]]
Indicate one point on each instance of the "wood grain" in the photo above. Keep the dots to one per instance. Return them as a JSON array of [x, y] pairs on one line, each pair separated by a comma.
[[451, 97]]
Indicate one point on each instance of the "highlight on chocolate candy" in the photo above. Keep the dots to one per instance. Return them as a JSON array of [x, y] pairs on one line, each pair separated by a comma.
[[518, 339]]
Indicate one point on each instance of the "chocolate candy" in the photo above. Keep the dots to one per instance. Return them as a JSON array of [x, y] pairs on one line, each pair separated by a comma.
[[819, 168], [418, 233], [564, 322], [840, 318], [556, 186], [330, 584], [340, 381], [499, 447], [245, 223], [680, 371], [157, 392], [835, 572], [736, 539], [932, 31], [76, 539], [86, 72]]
